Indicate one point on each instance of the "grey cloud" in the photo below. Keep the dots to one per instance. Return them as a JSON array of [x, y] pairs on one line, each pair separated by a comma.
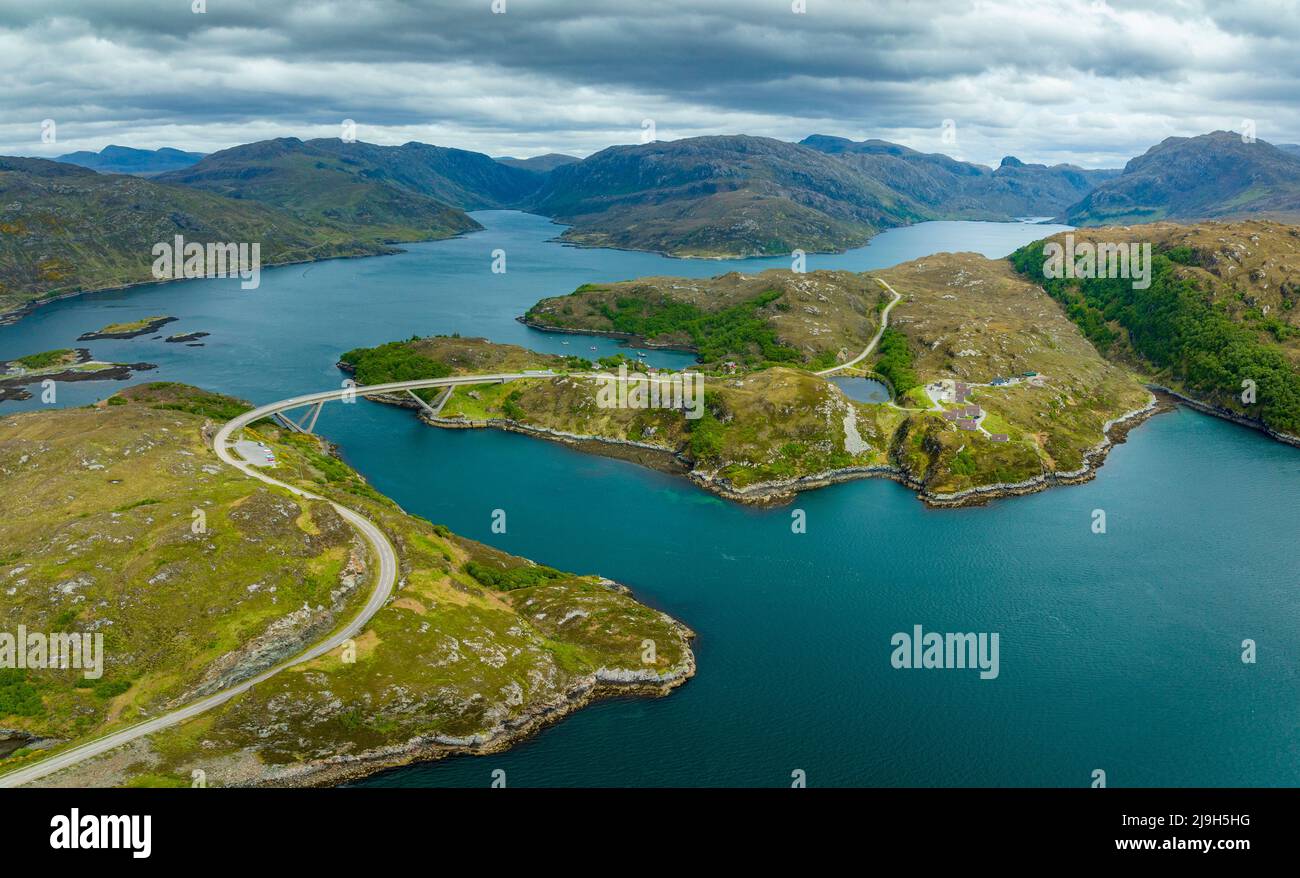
[[1020, 77]]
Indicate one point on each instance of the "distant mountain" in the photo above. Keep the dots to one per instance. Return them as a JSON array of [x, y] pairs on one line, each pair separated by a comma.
[[719, 196], [455, 177], [953, 189], [1291, 148], [378, 193], [65, 229], [540, 163], [125, 160], [1213, 175]]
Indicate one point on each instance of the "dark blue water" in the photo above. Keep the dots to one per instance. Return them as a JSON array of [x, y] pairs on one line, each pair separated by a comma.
[[1119, 651]]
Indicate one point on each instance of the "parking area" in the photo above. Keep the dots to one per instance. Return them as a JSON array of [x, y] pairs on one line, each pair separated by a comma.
[[256, 453]]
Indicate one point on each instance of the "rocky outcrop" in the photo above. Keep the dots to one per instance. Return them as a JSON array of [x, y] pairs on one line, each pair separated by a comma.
[[284, 637]]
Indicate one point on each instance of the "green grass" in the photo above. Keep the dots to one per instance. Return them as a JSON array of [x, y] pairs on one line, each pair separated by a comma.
[[45, 359]]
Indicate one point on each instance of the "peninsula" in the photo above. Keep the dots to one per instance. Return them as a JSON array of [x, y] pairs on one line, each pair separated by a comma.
[[994, 391], [474, 650]]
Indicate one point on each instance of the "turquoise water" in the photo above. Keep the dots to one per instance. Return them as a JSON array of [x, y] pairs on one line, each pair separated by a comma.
[[1118, 651]]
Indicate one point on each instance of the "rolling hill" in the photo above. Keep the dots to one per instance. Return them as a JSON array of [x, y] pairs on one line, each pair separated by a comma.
[[356, 188], [125, 160], [304, 175], [719, 196], [66, 229], [1182, 178], [541, 164], [1220, 311], [953, 189]]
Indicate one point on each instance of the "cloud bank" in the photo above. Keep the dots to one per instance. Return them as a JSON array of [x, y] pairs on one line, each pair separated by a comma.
[[1048, 80]]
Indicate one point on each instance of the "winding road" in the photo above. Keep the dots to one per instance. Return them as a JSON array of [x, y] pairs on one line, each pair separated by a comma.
[[884, 324], [385, 580]]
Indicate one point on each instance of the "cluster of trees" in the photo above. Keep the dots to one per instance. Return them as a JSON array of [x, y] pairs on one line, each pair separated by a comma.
[[18, 697], [737, 332], [508, 579], [896, 361], [706, 432], [1177, 326], [395, 361]]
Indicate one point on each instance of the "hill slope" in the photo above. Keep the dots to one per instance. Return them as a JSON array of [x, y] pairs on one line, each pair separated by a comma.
[[816, 318], [1221, 310], [954, 189], [350, 187], [302, 175], [1213, 175], [477, 648], [540, 163], [66, 229], [125, 160], [719, 196]]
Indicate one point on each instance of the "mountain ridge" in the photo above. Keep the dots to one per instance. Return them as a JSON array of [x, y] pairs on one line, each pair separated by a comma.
[[1216, 175]]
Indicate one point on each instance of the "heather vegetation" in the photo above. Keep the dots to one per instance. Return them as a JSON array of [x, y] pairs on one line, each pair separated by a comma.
[[1178, 329]]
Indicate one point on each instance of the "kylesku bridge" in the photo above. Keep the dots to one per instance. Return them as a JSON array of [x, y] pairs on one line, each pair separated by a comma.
[[384, 553]]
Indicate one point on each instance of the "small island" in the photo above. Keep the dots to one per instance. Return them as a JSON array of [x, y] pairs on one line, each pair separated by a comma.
[[182, 337], [128, 329], [63, 364]]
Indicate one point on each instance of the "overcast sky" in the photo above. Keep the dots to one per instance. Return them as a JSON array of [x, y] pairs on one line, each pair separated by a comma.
[[1046, 80]]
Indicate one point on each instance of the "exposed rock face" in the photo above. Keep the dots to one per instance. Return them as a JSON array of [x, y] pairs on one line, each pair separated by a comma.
[[286, 636]]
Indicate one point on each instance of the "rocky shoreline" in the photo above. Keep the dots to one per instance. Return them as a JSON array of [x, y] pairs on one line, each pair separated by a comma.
[[775, 493], [771, 493], [147, 328], [1227, 415], [634, 341], [13, 387], [18, 312], [601, 683]]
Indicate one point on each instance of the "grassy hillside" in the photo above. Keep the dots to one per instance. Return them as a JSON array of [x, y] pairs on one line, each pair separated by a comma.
[[812, 319], [718, 196], [326, 183], [66, 229], [1181, 178], [973, 320], [1220, 310], [963, 318], [99, 536]]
